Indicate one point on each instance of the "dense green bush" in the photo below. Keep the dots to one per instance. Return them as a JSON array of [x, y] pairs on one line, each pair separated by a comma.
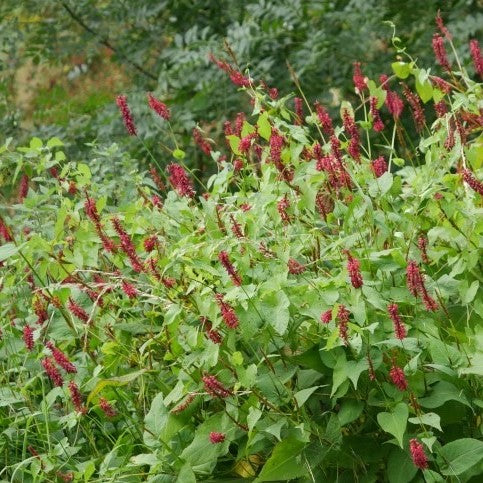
[[313, 313]]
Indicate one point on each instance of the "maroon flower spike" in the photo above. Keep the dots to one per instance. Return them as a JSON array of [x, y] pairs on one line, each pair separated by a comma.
[[441, 108], [121, 101], [440, 52], [201, 142], [52, 372], [354, 269], [352, 131], [246, 142], [156, 201], [28, 337], [417, 454], [239, 121], [150, 243], [379, 166], [227, 312], [359, 81], [77, 310], [214, 387], [324, 119], [184, 405], [156, 178], [276, 146], [107, 408], [399, 328], [76, 398], [129, 289], [343, 321], [216, 438], [273, 93], [225, 261], [476, 56], [5, 231], [236, 228], [299, 111], [211, 333], [393, 102], [90, 209], [441, 26], [180, 181], [377, 123], [416, 109], [40, 309], [238, 165], [282, 206], [159, 107], [472, 182], [326, 316], [61, 359], [422, 245], [127, 245], [372, 372], [294, 267], [324, 203], [415, 284], [398, 378], [23, 188], [441, 84], [168, 282]]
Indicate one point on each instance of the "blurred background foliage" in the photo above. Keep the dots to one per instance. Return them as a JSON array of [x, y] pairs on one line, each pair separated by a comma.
[[62, 62]]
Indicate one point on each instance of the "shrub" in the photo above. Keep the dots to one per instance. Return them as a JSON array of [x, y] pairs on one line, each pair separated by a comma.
[[312, 313]]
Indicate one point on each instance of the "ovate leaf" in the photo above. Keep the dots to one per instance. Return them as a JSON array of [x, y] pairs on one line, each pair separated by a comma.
[[461, 455], [395, 422]]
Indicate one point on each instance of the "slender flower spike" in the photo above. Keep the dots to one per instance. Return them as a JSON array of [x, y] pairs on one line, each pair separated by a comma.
[[214, 387], [326, 316], [324, 119], [121, 101], [353, 267], [377, 123], [417, 454], [422, 245], [417, 110], [184, 405], [379, 166], [28, 337], [282, 206], [399, 328], [159, 107], [343, 320], [107, 408], [299, 111], [472, 182], [127, 245], [227, 312], [61, 359], [359, 80], [476, 56], [23, 188], [52, 372], [129, 289], [216, 437], [440, 52], [77, 310], [76, 398], [442, 28], [150, 243], [398, 378], [225, 261], [180, 181], [294, 267], [201, 142]]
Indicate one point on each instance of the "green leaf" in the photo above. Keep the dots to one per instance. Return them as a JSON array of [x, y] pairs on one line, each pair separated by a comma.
[[468, 293], [160, 424], [114, 381], [54, 142], [7, 250], [234, 144], [442, 392], [304, 394], [186, 475], [401, 69], [424, 89], [350, 410], [380, 186], [428, 419], [400, 468], [395, 422], [36, 143], [274, 310], [285, 463], [264, 127], [460, 455]]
